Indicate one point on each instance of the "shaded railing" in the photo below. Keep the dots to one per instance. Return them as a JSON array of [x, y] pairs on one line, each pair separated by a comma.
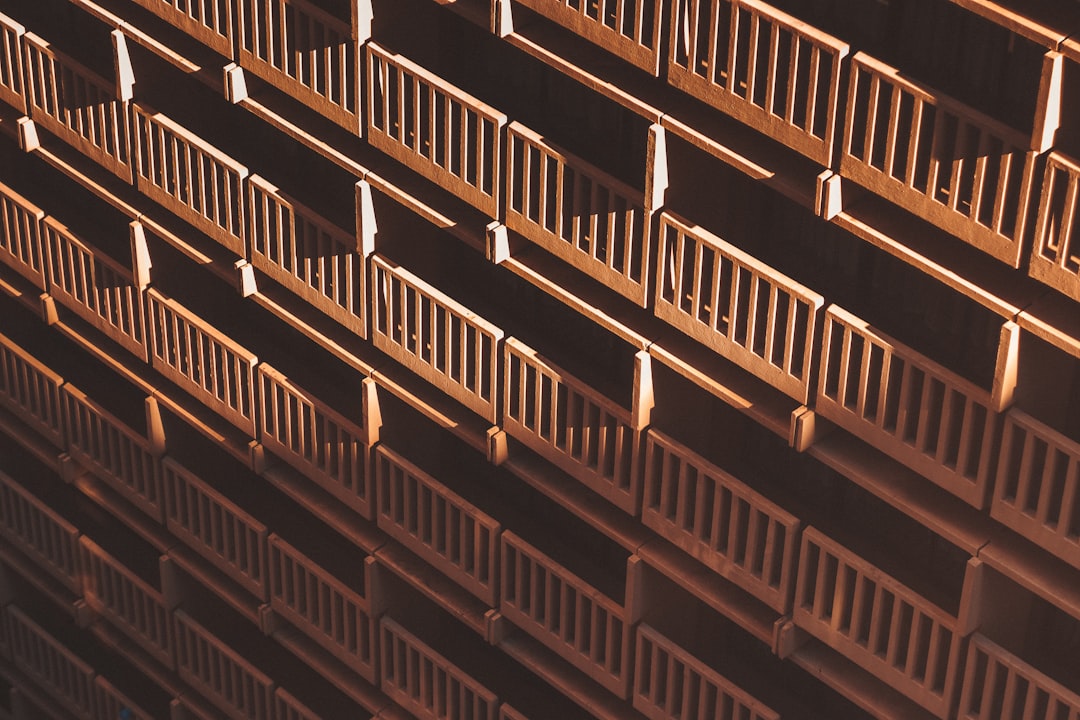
[[208, 21], [111, 703], [436, 337], [439, 131], [565, 613], [1055, 258], [11, 67], [307, 254], [322, 606], [627, 28], [437, 524], [964, 172], [720, 521], [20, 236], [425, 683], [877, 622], [220, 673], [57, 669], [925, 416], [287, 707], [215, 527], [1037, 491], [114, 452], [577, 212], [39, 531], [126, 600], [738, 306], [205, 362], [96, 287], [1000, 686], [31, 391], [303, 51], [570, 424], [671, 684], [190, 177], [325, 446], [78, 105], [761, 66]]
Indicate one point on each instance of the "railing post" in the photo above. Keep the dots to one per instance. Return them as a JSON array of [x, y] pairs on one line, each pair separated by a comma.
[[1048, 114], [362, 17], [498, 242], [155, 429], [972, 598], [140, 255], [235, 84], [367, 227], [1005, 370], [644, 399], [502, 18], [125, 76], [28, 137], [656, 173], [828, 200], [372, 412]]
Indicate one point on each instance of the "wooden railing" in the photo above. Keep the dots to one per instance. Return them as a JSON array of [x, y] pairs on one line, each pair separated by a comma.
[[215, 527], [1055, 259], [78, 105], [64, 675], [126, 600], [1000, 686], [439, 131], [208, 21], [737, 306], [565, 613], [436, 337], [307, 254], [437, 524], [305, 52], [1037, 491], [220, 673], [877, 622], [114, 452], [425, 683], [577, 212], [20, 236], [720, 521], [190, 177], [40, 532], [920, 413], [96, 287], [322, 606], [671, 684], [627, 28], [31, 391], [111, 703], [11, 67], [942, 160], [761, 66], [205, 362], [287, 707], [325, 446], [570, 424]]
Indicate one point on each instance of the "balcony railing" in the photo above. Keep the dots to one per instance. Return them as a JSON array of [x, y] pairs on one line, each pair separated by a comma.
[[31, 391], [761, 66], [325, 446], [190, 177], [303, 51], [78, 105], [1055, 259], [1037, 492], [20, 236], [127, 601], [720, 521], [439, 131], [876, 622], [209, 21], [627, 28], [96, 287], [307, 254], [114, 452], [956, 168], [215, 527], [36, 529], [577, 212], [425, 683], [203, 361], [998, 685], [57, 669], [328, 611], [11, 68], [565, 613], [111, 703], [671, 684], [925, 416], [287, 707], [737, 306], [437, 524], [436, 337]]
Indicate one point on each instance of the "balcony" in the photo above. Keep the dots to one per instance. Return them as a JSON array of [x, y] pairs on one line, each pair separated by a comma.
[[20, 239], [39, 531], [66, 677], [1055, 259], [11, 69], [761, 66], [210, 22], [31, 391]]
